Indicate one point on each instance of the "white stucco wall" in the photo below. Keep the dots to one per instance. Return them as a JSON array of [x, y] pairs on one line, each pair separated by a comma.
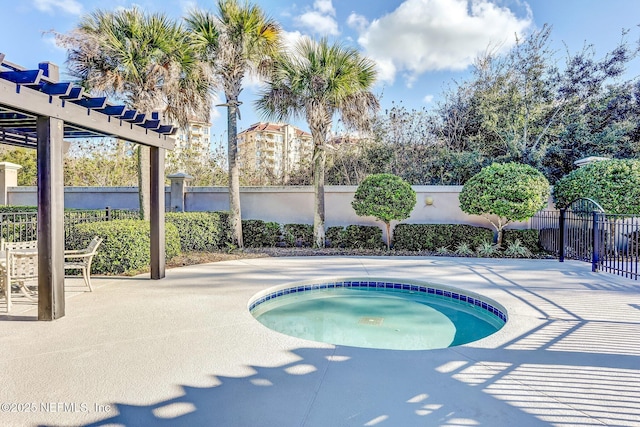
[[285, 205]]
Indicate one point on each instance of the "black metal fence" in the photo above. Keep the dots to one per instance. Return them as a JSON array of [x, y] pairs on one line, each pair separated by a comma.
[[582, 232], [23, 226], [616, 244], [547, 224]]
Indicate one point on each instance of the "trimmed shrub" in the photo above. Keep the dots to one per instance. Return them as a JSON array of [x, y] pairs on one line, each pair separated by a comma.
[[362, 237], [528, 238], [199, 231], [260, 234], [614, 184], [334, 237], [125, 245], [298, 235], [430, 237], [386, 197], [508, 191]]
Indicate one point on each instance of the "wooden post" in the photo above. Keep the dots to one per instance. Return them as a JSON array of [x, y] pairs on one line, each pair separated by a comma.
[[157, 213], [50, 219]]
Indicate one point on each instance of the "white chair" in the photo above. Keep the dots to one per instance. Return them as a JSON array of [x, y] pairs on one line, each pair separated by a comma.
[[29, 244], [81, 260], [21, 270], [20, 267]]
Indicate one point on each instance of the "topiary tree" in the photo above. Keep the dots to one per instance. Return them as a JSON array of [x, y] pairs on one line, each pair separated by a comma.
[[386, 197], [614, 184], [508, 191]]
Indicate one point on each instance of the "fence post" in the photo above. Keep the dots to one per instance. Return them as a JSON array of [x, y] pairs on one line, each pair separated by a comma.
[[178, 189], [8, 178], [561, 234], [107, 212], [595, 254]]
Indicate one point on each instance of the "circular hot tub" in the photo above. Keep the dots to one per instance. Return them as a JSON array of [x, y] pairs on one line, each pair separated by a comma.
[[379, 313]]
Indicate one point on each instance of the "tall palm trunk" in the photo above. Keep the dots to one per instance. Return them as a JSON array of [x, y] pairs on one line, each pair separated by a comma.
[[235, 217], [319, 160], [144, 181]]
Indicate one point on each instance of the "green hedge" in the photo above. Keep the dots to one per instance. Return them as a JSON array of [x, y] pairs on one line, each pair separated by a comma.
[[225, 228], [333, 237], [260, 234], [200, 231], [297, 235], [14, 209], [430, 237], [354, 237], [529, 239], [125, 246], [362, 237]]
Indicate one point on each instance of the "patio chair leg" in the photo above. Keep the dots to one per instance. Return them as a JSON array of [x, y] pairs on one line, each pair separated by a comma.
[[26, 292], [7, 296], [87, 278]]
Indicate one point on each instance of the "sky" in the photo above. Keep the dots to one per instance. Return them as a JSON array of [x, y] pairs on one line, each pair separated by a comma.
[[420, 47]]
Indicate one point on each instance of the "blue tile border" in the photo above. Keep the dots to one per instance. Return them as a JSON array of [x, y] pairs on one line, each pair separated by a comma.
[[447, 294]]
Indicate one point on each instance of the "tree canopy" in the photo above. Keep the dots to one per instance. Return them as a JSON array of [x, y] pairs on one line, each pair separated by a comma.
[[386, 197], [319, 81], [614, 184], [505, 192], [238, 40], [525, 106]]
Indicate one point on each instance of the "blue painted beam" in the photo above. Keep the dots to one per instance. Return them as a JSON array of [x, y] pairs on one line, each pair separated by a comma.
[[137, 119], [75, 93], [93, 103], [22, 77], [56, 89], [129, 115], [151, 124], [14, 116], [113, 110], [165, 129]]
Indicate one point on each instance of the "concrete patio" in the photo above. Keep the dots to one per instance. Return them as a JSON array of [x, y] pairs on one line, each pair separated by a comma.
[[184, 351]]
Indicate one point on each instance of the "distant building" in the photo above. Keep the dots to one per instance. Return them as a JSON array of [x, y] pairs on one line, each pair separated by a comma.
[[277, 147], [195, 137]]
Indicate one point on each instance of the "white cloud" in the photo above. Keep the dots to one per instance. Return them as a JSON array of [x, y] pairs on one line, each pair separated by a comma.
[[321, 20], [424, 35], [319, 23], [428, 99], [324, 6], [69, 6], [357, 22]]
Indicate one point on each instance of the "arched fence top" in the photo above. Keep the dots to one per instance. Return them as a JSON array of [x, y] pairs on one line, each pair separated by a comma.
[[584, 205]]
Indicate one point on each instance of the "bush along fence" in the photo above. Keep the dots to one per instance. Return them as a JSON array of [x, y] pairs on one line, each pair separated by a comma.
[[584, 232], [125, 247], [20, 223]]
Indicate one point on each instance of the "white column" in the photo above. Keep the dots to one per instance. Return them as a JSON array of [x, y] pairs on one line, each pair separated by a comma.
[[8, 178]]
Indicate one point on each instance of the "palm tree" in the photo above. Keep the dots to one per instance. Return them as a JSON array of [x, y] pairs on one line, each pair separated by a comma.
[[145, 60], [317, 82], [238, 40]]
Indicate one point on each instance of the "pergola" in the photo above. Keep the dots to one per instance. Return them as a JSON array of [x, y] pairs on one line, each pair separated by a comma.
[[39, 111]]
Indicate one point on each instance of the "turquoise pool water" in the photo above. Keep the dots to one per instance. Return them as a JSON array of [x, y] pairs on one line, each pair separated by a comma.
[[377, 316]]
